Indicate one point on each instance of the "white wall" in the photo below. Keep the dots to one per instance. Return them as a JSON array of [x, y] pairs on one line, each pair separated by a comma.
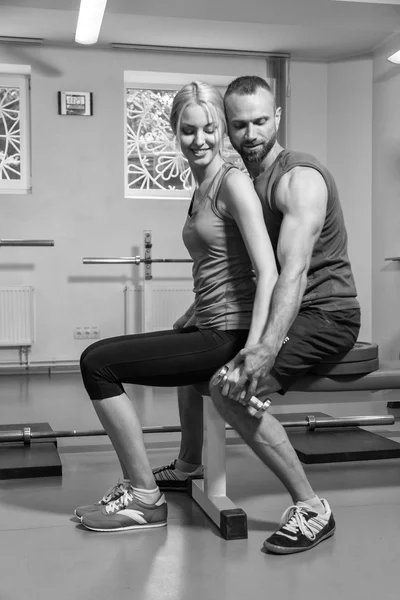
[[386, 201], [78, 196], [350, 160], [78, 199], [331, 117], [308, 104]]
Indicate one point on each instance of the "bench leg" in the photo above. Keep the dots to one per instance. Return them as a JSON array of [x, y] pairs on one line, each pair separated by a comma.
[[210, 494]]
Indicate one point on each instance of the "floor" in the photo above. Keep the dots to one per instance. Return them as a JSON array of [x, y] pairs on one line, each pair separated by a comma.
[[46, 553]]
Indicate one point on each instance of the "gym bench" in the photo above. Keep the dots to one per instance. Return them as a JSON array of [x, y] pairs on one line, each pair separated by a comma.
[[30, 449], [311, 445]]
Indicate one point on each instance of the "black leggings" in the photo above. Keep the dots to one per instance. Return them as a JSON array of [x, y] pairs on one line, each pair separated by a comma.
[[161, 358]]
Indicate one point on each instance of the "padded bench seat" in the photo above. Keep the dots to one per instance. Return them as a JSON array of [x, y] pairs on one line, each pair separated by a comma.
[[387, 377]]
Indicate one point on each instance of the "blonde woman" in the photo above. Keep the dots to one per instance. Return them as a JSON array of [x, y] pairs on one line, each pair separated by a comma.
[[234, 273]]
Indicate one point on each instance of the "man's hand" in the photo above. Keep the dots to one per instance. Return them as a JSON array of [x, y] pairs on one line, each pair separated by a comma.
[[232, 380], [258, 361], [242, 374]]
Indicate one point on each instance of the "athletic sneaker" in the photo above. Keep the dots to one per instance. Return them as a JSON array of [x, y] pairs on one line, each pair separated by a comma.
[[113, 493], [169, 477], [127, 513], [301, 528]]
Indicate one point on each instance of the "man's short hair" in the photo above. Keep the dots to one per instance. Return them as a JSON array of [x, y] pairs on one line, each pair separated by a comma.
[[247, 85]]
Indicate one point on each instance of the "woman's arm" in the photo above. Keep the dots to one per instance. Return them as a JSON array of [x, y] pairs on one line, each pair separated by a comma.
[[239, 199]]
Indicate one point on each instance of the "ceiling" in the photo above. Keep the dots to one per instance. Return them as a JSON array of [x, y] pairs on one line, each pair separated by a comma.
[[307, 29]]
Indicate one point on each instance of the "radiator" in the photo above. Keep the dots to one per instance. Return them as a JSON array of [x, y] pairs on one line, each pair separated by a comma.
[[16, 316], [167, 305]]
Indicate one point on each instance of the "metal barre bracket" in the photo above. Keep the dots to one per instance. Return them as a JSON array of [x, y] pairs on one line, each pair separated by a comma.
[[148, 244]]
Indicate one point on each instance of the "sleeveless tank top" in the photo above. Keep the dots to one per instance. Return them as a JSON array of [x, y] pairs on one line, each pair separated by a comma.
[[330, 282], [224, 280]]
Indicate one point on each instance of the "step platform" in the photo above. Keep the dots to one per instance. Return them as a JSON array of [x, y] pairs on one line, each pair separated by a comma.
[[39, 459], [339, 444]]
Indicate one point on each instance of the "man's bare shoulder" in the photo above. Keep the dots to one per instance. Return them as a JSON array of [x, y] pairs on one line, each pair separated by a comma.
[[299, 182]]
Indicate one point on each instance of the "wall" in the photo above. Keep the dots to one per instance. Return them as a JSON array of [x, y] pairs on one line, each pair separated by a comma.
[[308, 108], [331, 117], [386, 204], [78, 198], [349, 157]]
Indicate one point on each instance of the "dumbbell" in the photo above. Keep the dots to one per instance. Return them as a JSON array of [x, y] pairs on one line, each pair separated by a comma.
[[255, 407]]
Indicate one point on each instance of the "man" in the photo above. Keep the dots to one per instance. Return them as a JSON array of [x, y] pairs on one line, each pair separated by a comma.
[[314, 311]]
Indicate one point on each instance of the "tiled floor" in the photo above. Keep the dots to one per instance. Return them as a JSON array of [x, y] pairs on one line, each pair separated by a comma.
[[47, 554]]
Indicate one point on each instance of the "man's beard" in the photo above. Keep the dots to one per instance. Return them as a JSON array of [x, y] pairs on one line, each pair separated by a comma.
[[257, 154]]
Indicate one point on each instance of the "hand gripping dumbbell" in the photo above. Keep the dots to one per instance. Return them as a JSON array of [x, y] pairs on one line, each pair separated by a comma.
[[255, 407]]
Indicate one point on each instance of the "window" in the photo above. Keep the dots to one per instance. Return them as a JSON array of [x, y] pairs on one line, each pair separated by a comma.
[[14, 134], [153, 167]]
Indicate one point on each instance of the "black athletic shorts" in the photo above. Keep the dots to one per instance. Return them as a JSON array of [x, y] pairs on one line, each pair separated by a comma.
[[315, 335]]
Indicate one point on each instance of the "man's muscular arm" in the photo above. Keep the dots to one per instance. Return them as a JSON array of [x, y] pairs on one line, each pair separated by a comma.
[[302, 198]]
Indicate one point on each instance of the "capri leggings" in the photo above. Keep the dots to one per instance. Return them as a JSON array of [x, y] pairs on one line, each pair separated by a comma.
[[161, 358]]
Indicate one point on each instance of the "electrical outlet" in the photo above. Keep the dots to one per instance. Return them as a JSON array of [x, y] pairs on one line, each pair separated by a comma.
[[87, 333], [78, 333]]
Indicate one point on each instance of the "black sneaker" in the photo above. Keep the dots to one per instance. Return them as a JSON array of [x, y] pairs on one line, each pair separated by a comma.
[[301, 528], [170, 478]]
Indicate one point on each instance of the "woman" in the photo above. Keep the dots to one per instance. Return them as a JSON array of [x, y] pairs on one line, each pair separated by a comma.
[[234, 274]]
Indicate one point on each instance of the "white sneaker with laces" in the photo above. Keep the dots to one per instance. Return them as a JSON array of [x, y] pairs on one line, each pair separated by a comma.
[[300, 529], [115, 492], [126, 513]]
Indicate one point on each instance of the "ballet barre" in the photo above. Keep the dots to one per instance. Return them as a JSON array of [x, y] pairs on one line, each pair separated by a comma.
[[21, 242], [134, 260]]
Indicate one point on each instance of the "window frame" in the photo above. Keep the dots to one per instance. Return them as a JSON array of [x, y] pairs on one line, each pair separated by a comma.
[[19, 80], [162, 81]]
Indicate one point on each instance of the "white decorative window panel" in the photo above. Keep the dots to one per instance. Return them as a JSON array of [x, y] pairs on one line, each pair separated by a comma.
[[14, 140], [153, 166]]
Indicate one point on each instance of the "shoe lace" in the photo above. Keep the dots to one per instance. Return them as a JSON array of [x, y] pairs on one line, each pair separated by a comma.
[[115, 490], [170, 467], [119, 503], [294, 519]]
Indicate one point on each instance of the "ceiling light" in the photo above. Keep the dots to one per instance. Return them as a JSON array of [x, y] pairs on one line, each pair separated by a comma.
[[91, 13], [395, 58]]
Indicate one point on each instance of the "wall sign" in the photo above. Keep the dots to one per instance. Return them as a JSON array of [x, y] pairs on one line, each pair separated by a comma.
[[75, 103]]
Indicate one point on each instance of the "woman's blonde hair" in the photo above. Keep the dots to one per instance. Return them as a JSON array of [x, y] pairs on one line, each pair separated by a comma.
[[205, 95]]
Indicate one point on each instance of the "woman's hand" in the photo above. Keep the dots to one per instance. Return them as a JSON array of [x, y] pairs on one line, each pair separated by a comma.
[[228, 377], [184, 321]]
